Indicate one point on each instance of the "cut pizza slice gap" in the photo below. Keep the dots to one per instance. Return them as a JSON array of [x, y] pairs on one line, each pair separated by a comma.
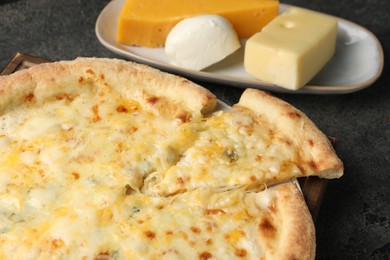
[[260, 142]]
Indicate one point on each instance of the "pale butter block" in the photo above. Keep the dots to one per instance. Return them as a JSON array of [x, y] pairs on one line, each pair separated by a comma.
[[292, 48]]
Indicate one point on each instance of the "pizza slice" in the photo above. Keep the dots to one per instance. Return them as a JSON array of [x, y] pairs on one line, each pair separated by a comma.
[[261, 141]]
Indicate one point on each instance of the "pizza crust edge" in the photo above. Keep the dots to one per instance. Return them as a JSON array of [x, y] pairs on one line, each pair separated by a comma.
[[318, 154], [297, 229], [48, 79]]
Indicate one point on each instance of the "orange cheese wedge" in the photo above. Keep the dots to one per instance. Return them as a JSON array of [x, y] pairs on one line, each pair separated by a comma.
[[148, 23]]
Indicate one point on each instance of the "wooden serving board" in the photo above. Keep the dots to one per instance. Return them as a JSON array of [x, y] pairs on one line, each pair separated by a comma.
[[313, 188]]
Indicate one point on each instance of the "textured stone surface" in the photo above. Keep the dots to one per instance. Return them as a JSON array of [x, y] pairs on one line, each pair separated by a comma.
[[354, 221]]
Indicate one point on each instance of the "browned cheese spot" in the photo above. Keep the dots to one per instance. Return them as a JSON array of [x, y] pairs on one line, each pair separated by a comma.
[[209, 242], [57, 243], [81, 79], [128, 189], [310, 142], [68, 98], [294, 115], [195, 230], [205, 255], [95, 111], [312, 164], [102, 256], [211, 226], [267, 228], [180, 181], [288, 142], [121, 109], [90, 71], [30, 98], [184, 117], [150, 234], [214, 211], [75, 175], [240, 252], [119, 147], [133, 129], [152, 100]]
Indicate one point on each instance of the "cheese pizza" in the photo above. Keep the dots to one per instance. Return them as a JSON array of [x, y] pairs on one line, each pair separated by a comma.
[[108, 159]]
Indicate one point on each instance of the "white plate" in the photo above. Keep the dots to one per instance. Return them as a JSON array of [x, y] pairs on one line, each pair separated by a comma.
[[357, 63]]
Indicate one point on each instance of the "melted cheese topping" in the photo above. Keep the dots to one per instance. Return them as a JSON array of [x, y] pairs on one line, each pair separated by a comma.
[[82, 177], [234, 149], [66, 163], [139, 226]]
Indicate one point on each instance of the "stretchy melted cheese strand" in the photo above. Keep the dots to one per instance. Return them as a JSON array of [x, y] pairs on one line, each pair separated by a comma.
[[291, 49], [147, 23]]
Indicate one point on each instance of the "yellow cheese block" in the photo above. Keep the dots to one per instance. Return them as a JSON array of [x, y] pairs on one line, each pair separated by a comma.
[[147, 23], [291, 49]]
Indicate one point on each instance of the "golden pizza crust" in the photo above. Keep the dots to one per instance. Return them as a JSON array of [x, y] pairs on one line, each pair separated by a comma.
[[47, 80], [317, 153], [288, 231]]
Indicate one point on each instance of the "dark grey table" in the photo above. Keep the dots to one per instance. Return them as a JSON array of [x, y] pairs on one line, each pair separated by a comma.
[[354, 220]]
